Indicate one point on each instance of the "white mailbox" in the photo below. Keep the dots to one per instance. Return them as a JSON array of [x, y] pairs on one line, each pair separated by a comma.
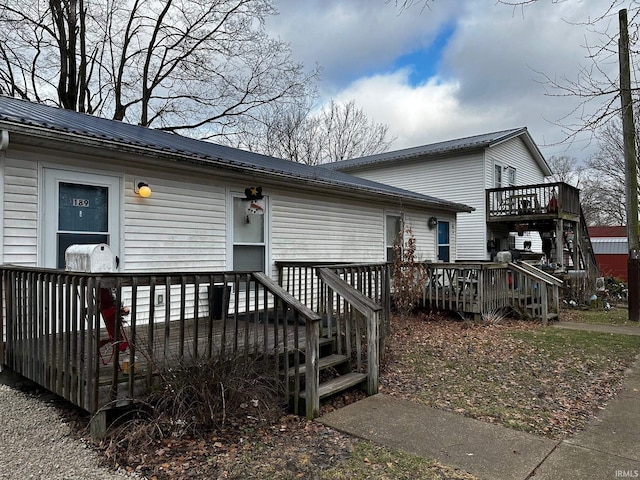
[[95, 258], [503, 257]]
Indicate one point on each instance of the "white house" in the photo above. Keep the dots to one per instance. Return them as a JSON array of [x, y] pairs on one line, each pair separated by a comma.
[[70, 178], [460, 171]]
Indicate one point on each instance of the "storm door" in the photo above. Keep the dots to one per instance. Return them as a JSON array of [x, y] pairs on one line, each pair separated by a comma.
[[80, 209]]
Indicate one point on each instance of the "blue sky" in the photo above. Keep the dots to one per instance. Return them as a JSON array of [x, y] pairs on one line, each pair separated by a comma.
[[423, 62], [451, 70]]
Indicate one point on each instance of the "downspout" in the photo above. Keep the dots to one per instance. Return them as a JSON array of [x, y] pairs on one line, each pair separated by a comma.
[[4, 145], [4, 140]]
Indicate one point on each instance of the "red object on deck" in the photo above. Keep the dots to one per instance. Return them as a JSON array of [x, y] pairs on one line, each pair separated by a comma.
[[108, 310]]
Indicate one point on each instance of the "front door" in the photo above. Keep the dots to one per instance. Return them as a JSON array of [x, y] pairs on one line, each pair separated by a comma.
[[80, 208]]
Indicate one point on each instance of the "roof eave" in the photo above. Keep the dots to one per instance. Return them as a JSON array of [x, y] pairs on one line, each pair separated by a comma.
[[43, 133]]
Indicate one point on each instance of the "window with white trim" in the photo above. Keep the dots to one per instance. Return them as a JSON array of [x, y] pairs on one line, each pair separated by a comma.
[[504, 176], [444, 242], [393, 228]]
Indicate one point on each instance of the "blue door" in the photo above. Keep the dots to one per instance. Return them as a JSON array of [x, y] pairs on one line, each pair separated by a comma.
[[444, 246], [83, 216]]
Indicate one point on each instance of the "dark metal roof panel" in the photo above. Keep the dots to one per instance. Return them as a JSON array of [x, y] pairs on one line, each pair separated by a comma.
[[67, 123], [457, 145]]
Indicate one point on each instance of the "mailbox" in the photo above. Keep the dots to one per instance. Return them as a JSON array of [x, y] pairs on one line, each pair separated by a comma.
[[94, 258], [503, 257]]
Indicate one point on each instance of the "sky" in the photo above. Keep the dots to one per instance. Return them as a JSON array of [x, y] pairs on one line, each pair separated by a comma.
[[454, 69]]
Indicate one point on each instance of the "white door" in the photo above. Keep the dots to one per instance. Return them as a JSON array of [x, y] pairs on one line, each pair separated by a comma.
[[79, 208]]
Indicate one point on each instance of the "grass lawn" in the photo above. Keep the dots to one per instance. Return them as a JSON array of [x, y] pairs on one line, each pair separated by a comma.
[[616, 316]]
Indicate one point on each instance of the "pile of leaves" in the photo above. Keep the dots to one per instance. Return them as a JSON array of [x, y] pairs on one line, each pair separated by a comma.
[[545, 381]]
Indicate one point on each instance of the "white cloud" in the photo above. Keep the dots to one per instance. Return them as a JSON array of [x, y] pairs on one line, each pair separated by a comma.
[[487, 79], [417, 115]]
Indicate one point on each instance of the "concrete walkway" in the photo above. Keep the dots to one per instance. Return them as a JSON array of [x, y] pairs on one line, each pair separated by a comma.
[[608, 448]]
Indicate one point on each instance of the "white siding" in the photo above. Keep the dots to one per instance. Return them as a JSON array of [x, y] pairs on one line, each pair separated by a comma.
[[20, 212], [184, 226], [180, 227], [457, 179], [514, 153], [308, 227], [305, 227]]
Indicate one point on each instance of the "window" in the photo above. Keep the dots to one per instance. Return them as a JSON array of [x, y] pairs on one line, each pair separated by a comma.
[[393, 234], [504, 176], [83, 217], [249, 237], [444, 247], [511, 177]]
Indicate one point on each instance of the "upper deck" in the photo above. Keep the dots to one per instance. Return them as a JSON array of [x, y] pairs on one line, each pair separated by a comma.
[[531, 203]]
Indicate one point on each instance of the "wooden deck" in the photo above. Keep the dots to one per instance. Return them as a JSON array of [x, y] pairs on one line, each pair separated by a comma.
[[54, 324]]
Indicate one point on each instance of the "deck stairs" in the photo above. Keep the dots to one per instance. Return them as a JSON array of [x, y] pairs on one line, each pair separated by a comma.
[[336, 375]]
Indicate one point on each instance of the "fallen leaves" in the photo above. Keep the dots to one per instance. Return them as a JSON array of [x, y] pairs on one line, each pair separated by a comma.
[[519, 374]]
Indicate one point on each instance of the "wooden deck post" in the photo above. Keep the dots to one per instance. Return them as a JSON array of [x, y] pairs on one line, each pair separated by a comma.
[[373, 326], [98, 425], [545, 304], [312, 373]]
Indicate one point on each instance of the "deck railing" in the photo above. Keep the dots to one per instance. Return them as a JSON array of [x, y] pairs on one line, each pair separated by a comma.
[[545, 200], [55, 335], [352, 320], [301, 280], [472, 288], [484, 288]]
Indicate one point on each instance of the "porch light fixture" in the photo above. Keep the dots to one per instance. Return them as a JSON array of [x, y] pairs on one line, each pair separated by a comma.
[[142, 188], [433, 222]]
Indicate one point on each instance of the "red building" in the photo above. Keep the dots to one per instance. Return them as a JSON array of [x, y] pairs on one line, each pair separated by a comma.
[[611, 249]]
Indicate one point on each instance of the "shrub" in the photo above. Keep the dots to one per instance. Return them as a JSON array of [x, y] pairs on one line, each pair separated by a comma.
[[408, 276]]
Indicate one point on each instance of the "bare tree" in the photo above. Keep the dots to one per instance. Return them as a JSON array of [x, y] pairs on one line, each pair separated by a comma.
[[603, 181], [178, 65], [336, 132], [350, 133], [564, 168]]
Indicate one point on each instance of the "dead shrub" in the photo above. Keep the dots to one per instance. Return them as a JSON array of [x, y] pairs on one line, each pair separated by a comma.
[[196, 398], [408, 276]]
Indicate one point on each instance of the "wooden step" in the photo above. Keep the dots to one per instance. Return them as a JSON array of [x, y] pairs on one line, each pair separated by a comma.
[[339, 384], [323, 363], [326, 345]]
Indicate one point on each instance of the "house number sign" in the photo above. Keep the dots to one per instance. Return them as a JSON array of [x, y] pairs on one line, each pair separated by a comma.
[[80, 202]]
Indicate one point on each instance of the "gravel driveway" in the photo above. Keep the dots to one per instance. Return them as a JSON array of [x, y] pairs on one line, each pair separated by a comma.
[[35, 442]]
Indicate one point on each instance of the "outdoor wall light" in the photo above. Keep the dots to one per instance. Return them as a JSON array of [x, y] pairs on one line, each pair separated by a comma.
[[433, 222], [142, 188]]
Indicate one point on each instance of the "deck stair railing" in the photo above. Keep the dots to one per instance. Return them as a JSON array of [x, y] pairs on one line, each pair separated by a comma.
[[353, 300]]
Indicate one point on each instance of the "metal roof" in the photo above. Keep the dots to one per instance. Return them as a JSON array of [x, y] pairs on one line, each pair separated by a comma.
[[610, 246], [38, 120], [459, 145]]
